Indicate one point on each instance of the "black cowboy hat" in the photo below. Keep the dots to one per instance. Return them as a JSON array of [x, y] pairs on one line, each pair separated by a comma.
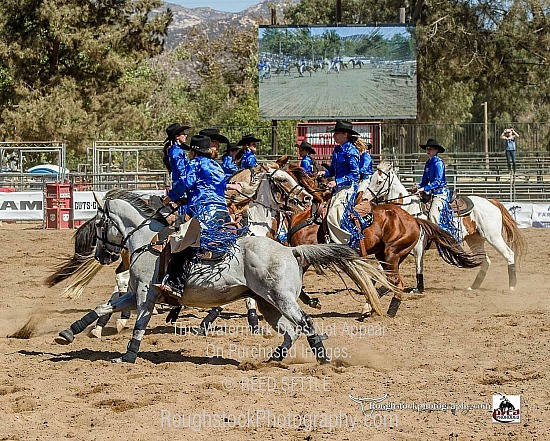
[[215, 135], [306, 146], [232, 146], [247, 139], [200, 144], [175, 129], [344, 126], [433, 143]]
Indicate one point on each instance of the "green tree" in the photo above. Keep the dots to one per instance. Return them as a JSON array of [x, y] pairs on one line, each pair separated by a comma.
[[69, 68]]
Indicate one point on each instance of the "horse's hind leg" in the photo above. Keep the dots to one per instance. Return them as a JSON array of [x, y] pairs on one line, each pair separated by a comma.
[[391, 266], [125, 302], [499, 244], [290, 320], [477, 247]]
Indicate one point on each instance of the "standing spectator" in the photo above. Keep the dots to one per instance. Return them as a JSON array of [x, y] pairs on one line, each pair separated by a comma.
[[509, 136], [305, 151]]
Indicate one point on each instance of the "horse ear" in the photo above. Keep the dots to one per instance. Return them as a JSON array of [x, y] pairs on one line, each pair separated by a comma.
[[99, 201], [281, 162]]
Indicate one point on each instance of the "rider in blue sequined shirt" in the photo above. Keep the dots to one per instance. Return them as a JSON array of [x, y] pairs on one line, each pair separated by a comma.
[[245, 156], [304, 151]]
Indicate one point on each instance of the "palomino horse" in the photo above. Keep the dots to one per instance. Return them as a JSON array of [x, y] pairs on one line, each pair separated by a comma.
[[253, 266], [487, 221], [264, 187], [391, 237]]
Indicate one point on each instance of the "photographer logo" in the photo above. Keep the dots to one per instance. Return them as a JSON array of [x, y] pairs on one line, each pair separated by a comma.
[[506, 409]]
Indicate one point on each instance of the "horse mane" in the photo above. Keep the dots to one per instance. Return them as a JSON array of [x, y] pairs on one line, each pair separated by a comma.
[[300, 175], [84, 238], [138, 203]]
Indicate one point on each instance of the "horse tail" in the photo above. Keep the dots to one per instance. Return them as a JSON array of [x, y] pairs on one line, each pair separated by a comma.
[[449, 249], [84, 268], [512, 234], [341, 258]]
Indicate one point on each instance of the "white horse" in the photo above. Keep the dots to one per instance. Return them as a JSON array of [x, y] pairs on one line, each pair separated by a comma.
[[488, 221], [254, 266], [267, 190]]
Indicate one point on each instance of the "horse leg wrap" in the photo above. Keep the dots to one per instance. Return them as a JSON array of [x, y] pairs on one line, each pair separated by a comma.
[[316, 344], [253, 321], [79, 326], [131, 351], [394, 306], [280, 353], [512, 275], [420, 282], [479, 279], [212, 315], [103, 320]]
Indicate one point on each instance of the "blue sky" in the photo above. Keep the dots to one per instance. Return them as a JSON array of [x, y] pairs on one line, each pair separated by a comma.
[[220, 5]]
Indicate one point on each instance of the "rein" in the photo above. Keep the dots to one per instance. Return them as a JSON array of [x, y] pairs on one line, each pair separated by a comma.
[[288, 195], [106, 220]]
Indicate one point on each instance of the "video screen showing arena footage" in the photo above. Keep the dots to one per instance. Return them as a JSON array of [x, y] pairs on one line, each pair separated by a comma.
[[328, 72]]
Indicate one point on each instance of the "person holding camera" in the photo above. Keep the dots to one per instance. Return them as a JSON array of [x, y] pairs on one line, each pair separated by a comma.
[[509, 136]]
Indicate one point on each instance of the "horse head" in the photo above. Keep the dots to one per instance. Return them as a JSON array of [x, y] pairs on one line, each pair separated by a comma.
[[380, 182], [119, 216], [288, 193]]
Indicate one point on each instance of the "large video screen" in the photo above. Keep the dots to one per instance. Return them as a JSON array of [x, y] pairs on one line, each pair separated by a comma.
[[344, 72]]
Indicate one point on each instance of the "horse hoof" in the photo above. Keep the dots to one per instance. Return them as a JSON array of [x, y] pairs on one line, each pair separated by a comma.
[[65, 337], [117, 360], [512, 288], [121, 324], [470, 288], [96, 332]]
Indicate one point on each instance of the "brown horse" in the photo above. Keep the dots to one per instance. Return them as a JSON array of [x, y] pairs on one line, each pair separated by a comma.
[[391, 237]]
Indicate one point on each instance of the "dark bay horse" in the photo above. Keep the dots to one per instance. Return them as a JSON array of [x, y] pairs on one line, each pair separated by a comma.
[[391, 237]]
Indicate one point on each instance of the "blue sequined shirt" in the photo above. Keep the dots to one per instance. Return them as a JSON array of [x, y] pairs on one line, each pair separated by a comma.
[[344, 164], [433, 178]]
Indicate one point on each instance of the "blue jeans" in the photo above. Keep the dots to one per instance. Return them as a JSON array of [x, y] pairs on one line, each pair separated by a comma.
[[511, 159]]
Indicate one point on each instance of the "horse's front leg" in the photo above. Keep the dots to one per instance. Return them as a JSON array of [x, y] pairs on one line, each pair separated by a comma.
[[126, 302], [146, 298], [418, 252]]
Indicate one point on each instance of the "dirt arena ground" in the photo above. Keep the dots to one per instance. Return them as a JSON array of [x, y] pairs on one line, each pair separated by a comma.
[[438, 363]]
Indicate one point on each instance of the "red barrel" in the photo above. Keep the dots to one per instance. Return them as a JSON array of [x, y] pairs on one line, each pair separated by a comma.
[[59, 206]]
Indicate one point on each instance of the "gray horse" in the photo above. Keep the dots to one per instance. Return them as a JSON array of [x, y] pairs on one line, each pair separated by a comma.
[[255, 267]]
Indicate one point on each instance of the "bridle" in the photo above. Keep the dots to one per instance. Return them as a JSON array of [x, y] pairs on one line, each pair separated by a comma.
[[105, 222], [388, 180], [377, 197], [287, 196]]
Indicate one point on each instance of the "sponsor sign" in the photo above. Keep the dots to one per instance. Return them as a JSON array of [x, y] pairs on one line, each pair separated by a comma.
[[24, 205]]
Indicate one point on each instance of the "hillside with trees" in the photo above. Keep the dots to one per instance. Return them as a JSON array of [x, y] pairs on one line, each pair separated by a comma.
[[78, 71]]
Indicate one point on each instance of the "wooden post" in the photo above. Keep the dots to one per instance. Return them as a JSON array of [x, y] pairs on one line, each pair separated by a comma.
[[486, 127], [338, 11], [402, 15], [274, 140]]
